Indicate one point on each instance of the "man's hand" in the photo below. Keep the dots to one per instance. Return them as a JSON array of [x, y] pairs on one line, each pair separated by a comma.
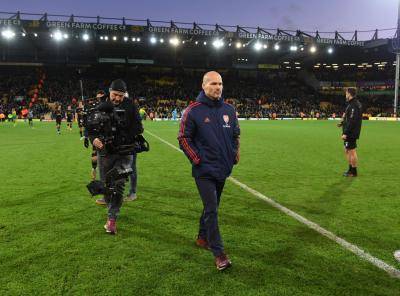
[[344, 137], [86, 142], [98, 143]]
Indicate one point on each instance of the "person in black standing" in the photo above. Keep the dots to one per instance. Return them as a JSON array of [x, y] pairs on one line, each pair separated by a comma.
[[30, 118], [70, 117], [58, 120], [351, 126]]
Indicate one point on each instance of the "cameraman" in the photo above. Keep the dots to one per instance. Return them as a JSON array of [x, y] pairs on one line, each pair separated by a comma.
[[111, 157]]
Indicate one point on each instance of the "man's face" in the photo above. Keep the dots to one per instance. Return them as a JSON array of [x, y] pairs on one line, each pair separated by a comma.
[[212, 86], [348, 96], [116, 97]]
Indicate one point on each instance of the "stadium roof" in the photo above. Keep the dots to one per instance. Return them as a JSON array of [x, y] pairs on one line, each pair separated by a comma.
[[73, 39]]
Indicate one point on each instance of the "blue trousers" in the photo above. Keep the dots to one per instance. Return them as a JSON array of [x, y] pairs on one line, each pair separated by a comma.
[[210, 192]]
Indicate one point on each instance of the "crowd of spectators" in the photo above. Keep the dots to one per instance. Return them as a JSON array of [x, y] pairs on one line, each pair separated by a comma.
[[158, 91]]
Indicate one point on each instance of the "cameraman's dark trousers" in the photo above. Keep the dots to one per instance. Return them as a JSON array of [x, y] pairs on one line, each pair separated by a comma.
[[210, 192], [106, 163]]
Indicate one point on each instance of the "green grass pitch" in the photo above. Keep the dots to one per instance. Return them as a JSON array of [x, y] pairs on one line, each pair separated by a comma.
[[52, 240]]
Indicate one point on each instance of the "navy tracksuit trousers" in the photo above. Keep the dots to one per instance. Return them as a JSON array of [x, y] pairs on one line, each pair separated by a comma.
[[210, 192]]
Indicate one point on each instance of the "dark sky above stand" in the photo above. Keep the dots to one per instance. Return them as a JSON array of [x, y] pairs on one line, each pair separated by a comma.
[[306, 15]]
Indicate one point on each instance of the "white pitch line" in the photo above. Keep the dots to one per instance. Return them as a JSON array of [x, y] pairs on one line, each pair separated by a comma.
[[345, 244]]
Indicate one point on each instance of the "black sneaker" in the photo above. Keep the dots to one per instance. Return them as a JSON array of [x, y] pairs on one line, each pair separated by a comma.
[[349, 174]]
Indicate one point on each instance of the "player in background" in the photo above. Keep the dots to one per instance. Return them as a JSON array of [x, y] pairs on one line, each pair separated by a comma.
[[174, 114], [142, 113], [70, 117], [30, 118], [14, 116], [58, 121]]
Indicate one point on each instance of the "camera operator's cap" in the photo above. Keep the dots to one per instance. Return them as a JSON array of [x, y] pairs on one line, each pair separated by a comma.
[[118, 85]]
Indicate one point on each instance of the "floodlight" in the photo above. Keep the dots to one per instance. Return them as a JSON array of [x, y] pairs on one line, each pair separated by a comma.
[[57, 35], [217, 43], [257, 46], [174, 41], [8, 34]]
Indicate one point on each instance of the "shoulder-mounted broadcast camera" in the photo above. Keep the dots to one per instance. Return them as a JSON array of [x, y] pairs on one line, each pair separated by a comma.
[[106, 122]]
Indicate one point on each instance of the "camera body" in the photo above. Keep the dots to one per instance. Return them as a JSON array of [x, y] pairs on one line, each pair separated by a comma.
[[106, 122], [90, 105]]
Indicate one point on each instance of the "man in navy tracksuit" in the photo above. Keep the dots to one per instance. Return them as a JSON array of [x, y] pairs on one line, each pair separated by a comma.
[[209, 136]]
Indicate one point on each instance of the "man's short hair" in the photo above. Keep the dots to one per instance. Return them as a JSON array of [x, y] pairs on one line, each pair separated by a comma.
[[100, 92], [352, 91]]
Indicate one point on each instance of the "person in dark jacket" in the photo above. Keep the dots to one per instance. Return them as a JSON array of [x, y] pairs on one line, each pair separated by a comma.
[[112, 158], [351, 127], [209, 136]]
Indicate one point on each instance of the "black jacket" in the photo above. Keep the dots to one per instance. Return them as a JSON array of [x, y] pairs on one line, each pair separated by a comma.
[[352, 119], [134, 125]]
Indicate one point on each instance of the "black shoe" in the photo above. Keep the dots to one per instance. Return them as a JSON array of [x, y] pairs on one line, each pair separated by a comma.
[[349, 174]]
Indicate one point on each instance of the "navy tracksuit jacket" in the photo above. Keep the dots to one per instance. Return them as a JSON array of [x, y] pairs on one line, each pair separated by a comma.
[[209, 136]]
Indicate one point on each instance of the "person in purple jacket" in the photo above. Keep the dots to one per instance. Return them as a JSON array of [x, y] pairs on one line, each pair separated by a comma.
[[209, 136]]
